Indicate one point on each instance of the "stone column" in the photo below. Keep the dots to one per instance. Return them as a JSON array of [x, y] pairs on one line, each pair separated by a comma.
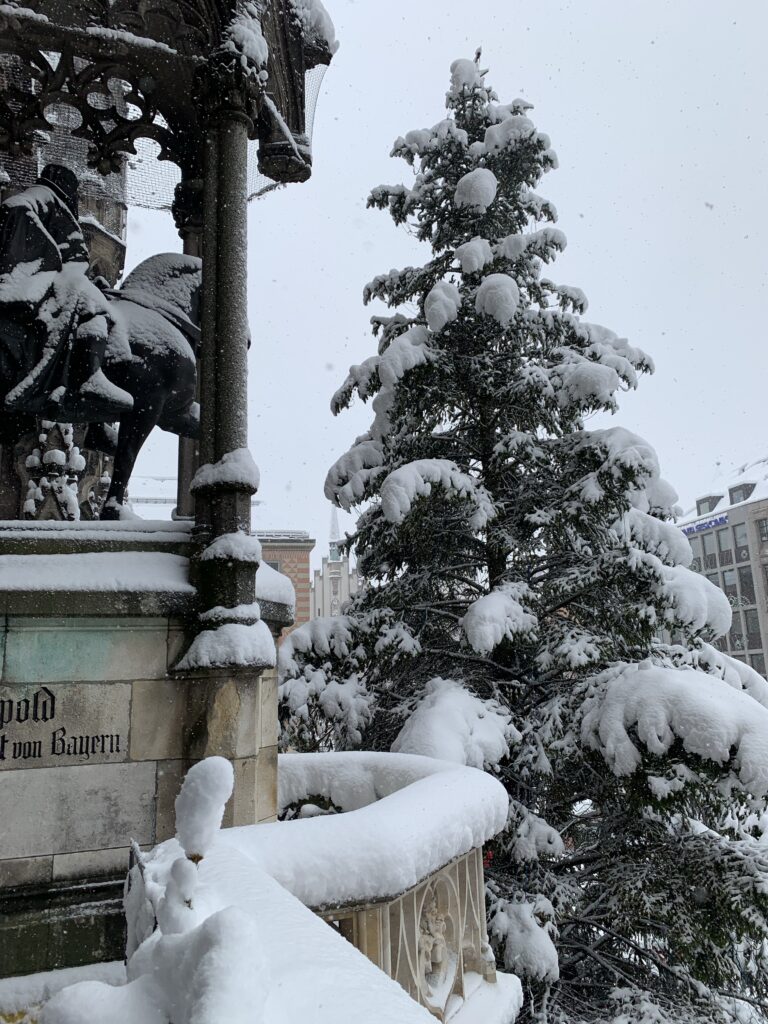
[[188, 216], [230, 94]]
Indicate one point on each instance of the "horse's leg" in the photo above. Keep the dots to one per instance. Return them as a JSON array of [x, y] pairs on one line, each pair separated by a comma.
[[135, 428], [101, 437], [184, 422]]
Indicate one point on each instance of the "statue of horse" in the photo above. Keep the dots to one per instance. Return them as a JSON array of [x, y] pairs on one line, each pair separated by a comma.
[[153, 331]]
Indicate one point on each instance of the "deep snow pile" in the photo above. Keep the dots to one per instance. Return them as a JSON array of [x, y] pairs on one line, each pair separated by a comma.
[[250, 954], [213, 938]]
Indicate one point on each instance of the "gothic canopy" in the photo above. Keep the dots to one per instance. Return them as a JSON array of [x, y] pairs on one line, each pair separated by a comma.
[[136, 69]]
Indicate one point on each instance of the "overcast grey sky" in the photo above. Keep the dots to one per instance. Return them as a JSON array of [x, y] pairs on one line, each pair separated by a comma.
[[658, 113]]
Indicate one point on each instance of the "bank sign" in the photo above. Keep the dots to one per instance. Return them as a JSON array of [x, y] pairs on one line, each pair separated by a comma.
[[706, 524]]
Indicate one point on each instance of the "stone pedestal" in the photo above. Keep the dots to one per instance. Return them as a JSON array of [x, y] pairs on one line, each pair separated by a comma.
[[97, 731]]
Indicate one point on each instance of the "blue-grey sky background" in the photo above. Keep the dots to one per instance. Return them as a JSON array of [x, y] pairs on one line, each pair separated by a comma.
[[657, 110]]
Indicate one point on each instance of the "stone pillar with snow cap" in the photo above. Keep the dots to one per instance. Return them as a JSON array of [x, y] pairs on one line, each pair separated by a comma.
[[232, 694], [229, 91], [187, 212]]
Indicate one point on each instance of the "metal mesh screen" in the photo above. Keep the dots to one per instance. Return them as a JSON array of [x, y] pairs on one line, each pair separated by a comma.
[[150, 182], [144, 180]]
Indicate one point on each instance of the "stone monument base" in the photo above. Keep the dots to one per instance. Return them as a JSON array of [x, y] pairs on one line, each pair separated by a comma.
[[97, 730]]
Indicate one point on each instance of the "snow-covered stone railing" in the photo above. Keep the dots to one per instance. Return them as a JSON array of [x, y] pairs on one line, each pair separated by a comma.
[[212, 937], [404, 817], [396, 866], [398, 869]]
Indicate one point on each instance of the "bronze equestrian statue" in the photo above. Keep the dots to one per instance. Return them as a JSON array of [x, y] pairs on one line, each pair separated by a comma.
[[74, 351]]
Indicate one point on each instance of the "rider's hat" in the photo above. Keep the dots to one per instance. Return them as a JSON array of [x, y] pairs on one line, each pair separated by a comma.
[[63, 181]]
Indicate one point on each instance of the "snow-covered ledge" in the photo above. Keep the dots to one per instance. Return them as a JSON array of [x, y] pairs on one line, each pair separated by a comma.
[[404, 818], [396, 867]]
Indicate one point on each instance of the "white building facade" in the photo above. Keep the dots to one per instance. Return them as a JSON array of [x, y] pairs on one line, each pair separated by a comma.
[[729, 535], [336, 581]]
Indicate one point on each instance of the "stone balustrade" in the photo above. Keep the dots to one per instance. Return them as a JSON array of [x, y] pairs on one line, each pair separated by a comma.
[[429, 938], [387, 848]]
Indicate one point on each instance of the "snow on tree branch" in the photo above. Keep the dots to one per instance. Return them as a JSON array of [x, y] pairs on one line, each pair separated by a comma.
[[474, 254], [694, 601], [498, 615], [442, 305], [526, 929], [416, 479], [661, 705], [452, 724], [320, 685], [476, 190], [498, 296]]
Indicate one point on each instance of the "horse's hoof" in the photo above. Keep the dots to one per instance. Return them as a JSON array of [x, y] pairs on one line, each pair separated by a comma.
[[110, 513]]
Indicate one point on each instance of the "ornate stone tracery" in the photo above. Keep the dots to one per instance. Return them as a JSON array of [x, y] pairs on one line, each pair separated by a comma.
[[60, 478], [429, 938], [113, 112], [76, 51]]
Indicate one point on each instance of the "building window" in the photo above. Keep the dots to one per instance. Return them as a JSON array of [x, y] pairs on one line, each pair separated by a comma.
[[725, 547], [741, 542], [736, 635], [757, 661], [746, 585], [714, 579], [729, 586], [752, 626], [740, 493], [710, 558], [274, 565], [695, 543], [708, 504], [762, 529]]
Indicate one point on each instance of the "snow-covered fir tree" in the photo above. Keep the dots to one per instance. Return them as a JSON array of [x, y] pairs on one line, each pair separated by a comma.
[[519, 568]]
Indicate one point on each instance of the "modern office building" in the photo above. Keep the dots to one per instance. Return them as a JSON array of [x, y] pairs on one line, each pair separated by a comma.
[[728, 532]]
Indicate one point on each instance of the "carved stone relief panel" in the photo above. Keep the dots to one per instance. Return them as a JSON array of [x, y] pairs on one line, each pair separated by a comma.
[[428, 938]]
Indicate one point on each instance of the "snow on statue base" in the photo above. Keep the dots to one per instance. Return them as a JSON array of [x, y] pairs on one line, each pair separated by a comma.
[[97, 729]]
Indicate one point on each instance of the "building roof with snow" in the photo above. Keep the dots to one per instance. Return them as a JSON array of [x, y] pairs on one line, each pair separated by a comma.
[[748, 482]]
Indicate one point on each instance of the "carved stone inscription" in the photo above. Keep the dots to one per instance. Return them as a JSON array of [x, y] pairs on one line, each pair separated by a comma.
[[43, 726]]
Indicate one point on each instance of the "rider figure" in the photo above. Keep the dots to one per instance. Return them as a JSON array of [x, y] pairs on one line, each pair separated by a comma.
[[54, 315]]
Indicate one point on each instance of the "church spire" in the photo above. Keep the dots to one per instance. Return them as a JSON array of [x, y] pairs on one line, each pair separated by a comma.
[[335, 556]]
